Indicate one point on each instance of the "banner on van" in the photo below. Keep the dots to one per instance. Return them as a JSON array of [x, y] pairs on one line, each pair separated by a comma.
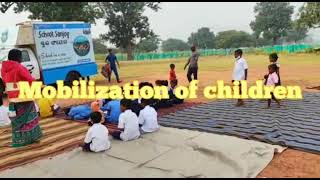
[[60, 45], [8, 36]]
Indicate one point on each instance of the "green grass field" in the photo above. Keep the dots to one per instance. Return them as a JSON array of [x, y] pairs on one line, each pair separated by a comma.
[[304, 65]]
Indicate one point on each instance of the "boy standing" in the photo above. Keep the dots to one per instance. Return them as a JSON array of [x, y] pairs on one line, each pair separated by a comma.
[[240, 71], [193, 65], [112, 58], [96, 139], [172, 74], [128, 123]]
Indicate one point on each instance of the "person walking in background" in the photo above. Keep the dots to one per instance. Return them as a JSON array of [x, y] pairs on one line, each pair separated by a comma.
[[193, 64], [240, 71], [23, 114], [273, 80], [112, 59], [273, 58]]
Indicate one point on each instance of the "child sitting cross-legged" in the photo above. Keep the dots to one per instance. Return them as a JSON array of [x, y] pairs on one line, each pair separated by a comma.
[[128, 123], [47, 107], [96, 139], [148, 117], [162, 103], [173, 98]]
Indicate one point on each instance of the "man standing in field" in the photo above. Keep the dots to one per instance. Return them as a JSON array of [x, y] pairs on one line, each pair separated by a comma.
[[240, 71], [193, 64], [112, 58]]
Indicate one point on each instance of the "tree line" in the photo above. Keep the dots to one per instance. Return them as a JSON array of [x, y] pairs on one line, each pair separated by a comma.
[[129, 28]]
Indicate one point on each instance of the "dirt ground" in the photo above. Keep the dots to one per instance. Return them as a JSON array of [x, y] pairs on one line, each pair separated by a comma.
[[293, 164], [290, 163]]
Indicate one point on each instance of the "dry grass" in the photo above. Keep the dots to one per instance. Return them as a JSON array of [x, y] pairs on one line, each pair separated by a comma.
[[299, 69]]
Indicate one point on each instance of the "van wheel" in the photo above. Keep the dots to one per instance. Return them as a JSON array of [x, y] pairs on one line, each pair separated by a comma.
[[72, 76]]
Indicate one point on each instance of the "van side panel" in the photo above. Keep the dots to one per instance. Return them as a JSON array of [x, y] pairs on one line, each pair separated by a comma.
[[62, 48], [50, 76]]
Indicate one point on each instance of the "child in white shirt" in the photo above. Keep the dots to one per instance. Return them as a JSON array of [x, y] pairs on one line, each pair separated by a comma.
[[148, 118], [4, 111], [272, 80], [96, 139], [240, 71], [128, 123]]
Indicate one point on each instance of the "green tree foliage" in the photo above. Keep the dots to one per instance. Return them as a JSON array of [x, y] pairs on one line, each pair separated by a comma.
[[127, 24], [56, 11], [297, 33], [234, 39], [174, 45], [99, 47], [203, 38], [273, 19], [149, 44], [309, 15]]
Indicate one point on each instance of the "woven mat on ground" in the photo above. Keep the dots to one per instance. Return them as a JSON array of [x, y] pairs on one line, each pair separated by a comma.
[[296, 125], [59, 136]]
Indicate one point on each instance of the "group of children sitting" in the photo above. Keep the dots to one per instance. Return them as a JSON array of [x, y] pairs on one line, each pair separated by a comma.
[[132, 117], [130, 126]]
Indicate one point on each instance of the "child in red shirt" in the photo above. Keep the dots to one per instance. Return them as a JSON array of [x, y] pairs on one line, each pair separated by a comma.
[[172, 74]]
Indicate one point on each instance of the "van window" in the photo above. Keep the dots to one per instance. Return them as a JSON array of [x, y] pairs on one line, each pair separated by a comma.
[[25, 56], [3, 55]]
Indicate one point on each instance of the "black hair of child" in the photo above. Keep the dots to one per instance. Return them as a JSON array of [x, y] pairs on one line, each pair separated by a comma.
[[106, 101], [66, 111], [165, 83], [239, 51], [146, 102], [2, 86], [172, 66], [273, 66], [126, 103], [174, 81], [95, 117], [158, 82], [274, 56], [193, 48], [15, 55], [3, 97], [142, 84]]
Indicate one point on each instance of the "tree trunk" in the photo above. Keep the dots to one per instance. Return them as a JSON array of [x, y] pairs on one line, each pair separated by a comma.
[[274, 41], [129, 52]]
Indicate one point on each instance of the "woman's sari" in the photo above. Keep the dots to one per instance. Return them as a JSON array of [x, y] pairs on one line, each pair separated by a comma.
[[25, 125]]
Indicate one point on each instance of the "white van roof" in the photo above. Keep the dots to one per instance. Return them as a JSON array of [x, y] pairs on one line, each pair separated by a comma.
[[26, 23]]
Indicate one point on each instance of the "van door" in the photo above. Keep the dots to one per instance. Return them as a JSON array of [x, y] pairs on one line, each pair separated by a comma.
[[30, 62]]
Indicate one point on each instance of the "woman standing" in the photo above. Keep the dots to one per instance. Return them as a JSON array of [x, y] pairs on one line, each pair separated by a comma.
[[24, 119]]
